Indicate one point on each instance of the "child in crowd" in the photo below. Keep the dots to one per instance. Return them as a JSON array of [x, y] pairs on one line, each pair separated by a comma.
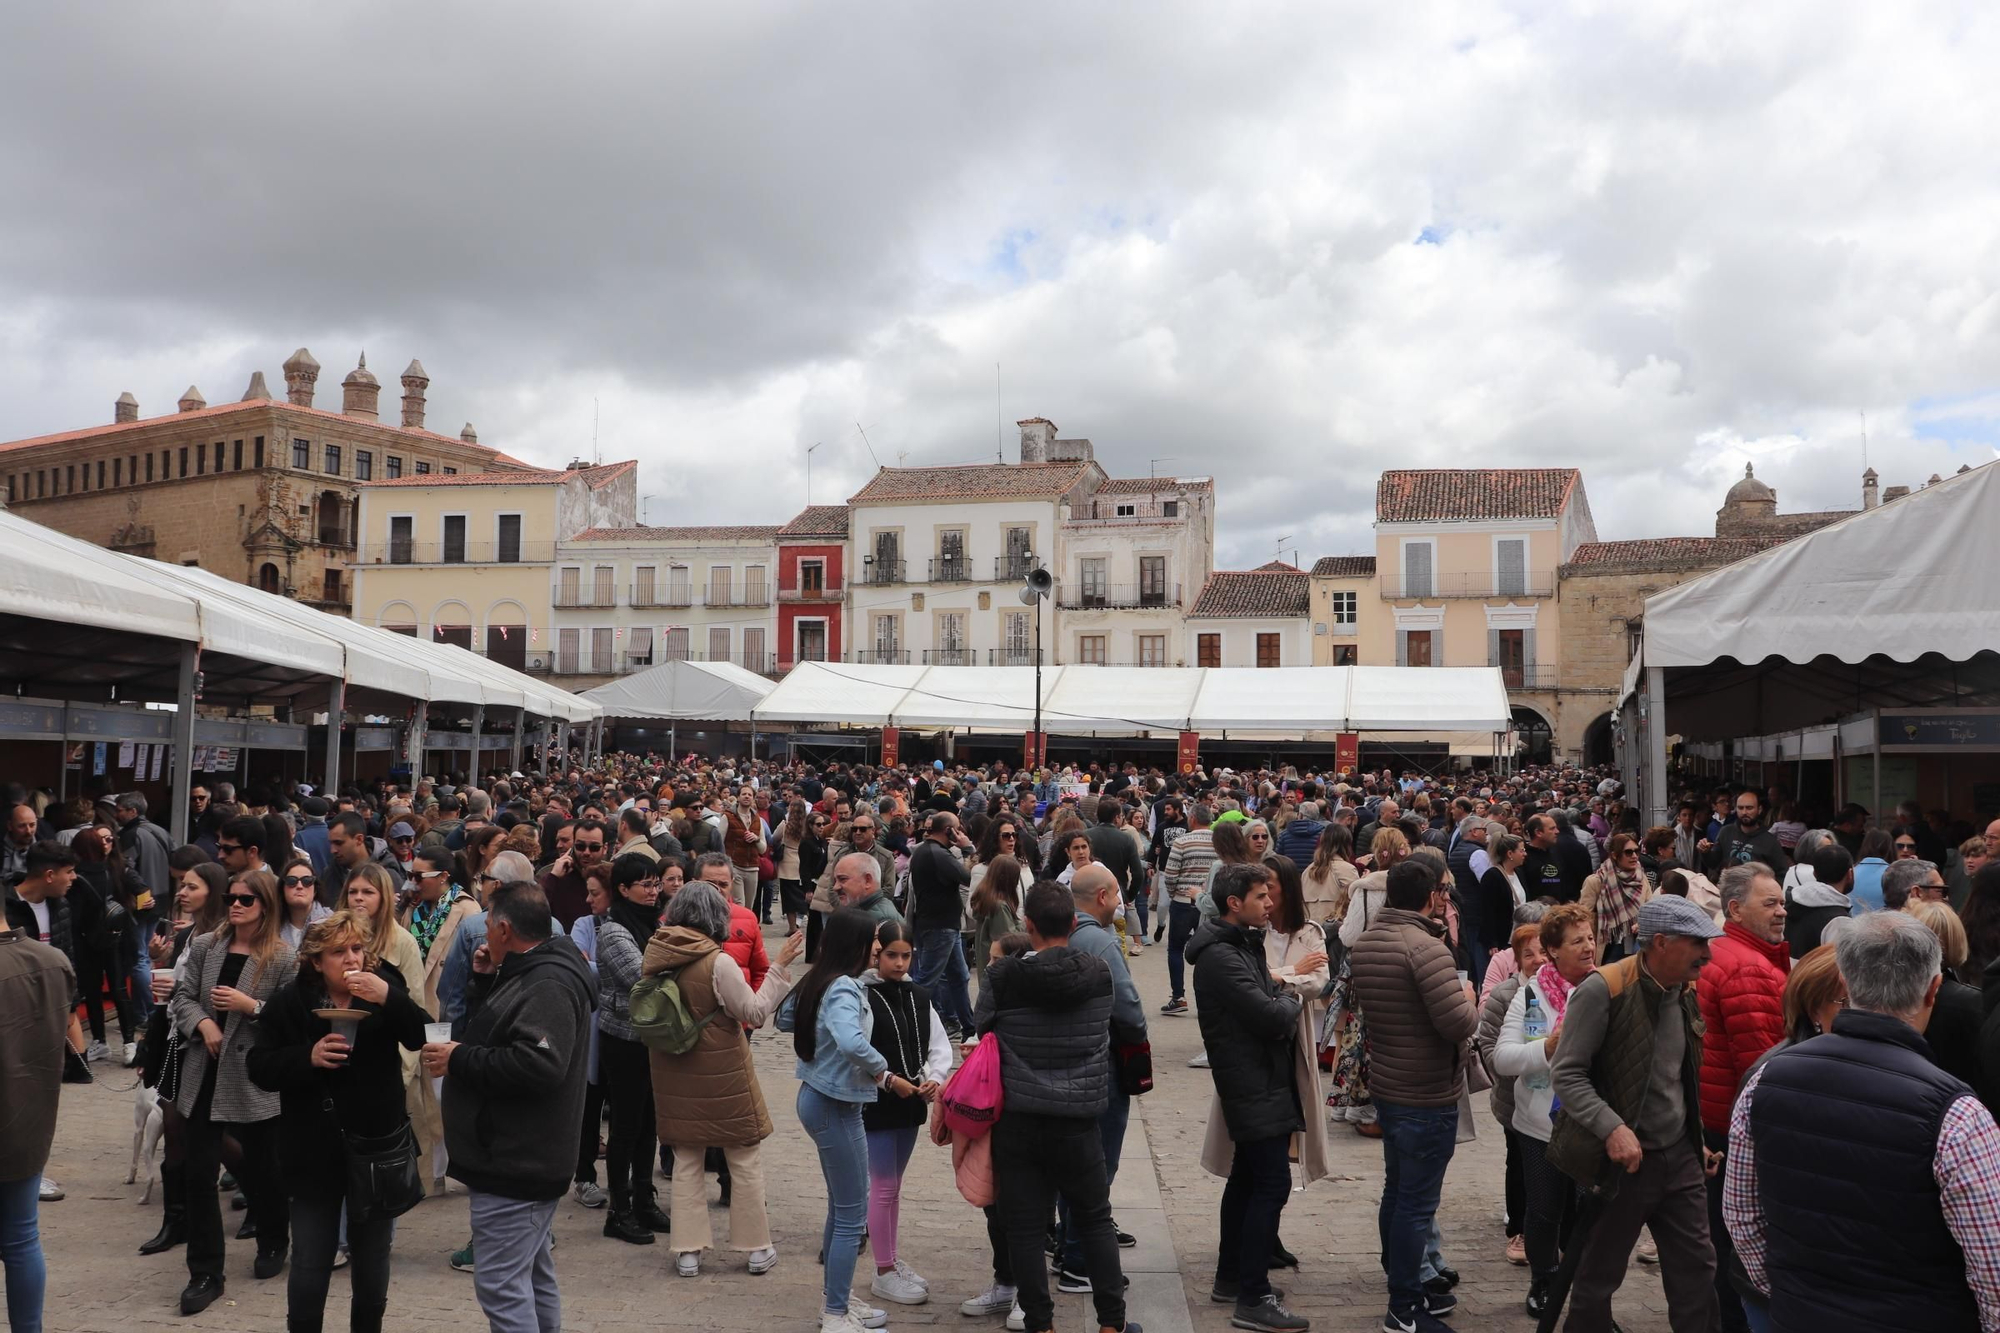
[[912, 1038]]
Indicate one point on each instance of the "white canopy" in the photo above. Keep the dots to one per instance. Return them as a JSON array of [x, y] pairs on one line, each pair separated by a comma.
[[684, 691], [1081, 700], [1901, 580], [52, 576]]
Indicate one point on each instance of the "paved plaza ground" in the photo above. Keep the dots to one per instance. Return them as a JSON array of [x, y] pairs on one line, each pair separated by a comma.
[[97, 1280]]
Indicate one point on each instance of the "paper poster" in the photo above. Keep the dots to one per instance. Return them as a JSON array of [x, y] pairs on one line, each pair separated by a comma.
[[124, 754], [159, 757], [99, 753]]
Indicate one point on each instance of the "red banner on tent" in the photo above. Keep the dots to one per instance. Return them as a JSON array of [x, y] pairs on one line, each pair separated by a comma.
[[1188, 757], [1034, 748], [1347, 751], [892, 742]]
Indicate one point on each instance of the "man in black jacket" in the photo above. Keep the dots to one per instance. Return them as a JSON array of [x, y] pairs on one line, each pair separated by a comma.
[[1249, 1027], [935, 911], [1541, 874], [1051, 1011], [1745, 841], [513, 1098], [1112, 846]]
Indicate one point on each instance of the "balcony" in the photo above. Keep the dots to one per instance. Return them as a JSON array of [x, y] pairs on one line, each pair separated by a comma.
[[1012, 568], [1344, 629], [1126, 511], [339, 537], [879, 572], [644, 598], [1012, 657], [951, 569], [882, 657], [1119, 597], [755, 595], [457, 553], [827, 592], [1528, 677], [569, 598], [950, 656], [1148, 662], [1396, 588]]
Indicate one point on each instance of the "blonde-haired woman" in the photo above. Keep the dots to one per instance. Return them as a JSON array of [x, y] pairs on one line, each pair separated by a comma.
[[371, 895], [224, 982], [1953, 1032]]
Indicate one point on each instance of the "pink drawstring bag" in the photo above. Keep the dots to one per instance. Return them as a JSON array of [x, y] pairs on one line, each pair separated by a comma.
[[972, 1096]]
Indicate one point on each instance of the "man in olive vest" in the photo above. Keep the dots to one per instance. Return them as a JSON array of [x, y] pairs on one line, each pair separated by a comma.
[[1627, 1075]]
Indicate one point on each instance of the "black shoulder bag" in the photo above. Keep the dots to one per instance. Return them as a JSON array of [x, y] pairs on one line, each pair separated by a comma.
[[382, 1176]]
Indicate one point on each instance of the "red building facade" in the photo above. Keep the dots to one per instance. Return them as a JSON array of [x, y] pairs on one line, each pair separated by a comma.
[[812, 586]]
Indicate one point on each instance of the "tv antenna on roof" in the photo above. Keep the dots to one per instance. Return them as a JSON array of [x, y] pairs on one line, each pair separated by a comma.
[[596, 454], [1153, 465]]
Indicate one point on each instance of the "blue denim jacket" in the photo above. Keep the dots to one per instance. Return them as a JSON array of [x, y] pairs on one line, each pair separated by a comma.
[[844, 1065]]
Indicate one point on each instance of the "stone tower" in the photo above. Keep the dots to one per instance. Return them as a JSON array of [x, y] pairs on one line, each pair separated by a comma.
[[359, 392], [301, 373], [125, 409], [414, 383], [192, 401]]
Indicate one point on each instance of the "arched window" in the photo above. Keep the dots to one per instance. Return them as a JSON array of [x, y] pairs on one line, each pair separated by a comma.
[[267, 578]]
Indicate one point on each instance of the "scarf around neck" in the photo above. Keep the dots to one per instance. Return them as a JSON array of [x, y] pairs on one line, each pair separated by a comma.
[[1555, 988], [425, 924]]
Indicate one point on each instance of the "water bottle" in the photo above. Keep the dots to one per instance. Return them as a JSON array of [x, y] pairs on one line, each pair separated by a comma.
[[1534, 1027]]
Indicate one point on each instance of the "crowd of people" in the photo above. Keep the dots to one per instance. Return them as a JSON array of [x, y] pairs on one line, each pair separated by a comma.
[[1749, 1046]]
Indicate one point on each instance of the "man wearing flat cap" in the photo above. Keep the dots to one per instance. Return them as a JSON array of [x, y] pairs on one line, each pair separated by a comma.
[[1627, 1077]]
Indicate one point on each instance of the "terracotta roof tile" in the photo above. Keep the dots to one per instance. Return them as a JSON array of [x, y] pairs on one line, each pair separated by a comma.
[[976, 481], [1665, 555], [1444, 495], [722, 533], [817, 521], [1266, 593], [1154, 485], [597, 478], [1277, 567], [227, 409], [1344, 567]]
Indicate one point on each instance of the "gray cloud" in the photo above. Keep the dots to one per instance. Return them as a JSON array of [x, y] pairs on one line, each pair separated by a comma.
[[1667, 240]]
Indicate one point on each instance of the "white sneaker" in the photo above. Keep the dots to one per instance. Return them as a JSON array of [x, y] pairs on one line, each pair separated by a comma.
[[131, 1054], [764, 1260], [837, 1323], [1199, 1062], [990, 1301], [96, 1051], [864, 1314], [897, 1289], [688, 1263], [1017, 1319], [590, 1194], [50, 1192]]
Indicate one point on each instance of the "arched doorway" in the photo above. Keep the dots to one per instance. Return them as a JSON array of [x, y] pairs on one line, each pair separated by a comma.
[[267, 578], [1597, 742], [1534, 738]]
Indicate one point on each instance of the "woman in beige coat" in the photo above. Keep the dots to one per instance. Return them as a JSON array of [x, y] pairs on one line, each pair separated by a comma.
[[710, 1097], [1295, 951]]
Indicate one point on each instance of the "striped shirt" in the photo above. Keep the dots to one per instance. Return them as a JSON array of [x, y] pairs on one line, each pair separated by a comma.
[[1188, 864]]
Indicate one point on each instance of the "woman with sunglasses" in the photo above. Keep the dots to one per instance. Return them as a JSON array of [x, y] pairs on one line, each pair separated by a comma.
[[299, 886], [224, 982], [432, 908], [792, 838], [1614, 895]]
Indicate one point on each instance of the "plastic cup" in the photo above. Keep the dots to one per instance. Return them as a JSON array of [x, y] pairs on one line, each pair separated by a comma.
[[345, 1028], [437, 1033]]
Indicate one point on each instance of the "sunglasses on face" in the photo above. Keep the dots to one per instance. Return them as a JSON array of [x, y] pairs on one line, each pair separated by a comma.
[[1906, 846], [298, 881], [228, 846], [242, 900], [402, 840]]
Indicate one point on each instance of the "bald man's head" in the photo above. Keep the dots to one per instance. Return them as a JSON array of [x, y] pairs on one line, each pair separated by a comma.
[[1095, 889], [856, 877], [21, 825]]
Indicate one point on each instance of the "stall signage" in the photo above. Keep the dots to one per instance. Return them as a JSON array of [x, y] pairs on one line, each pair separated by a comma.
[[1944, 730]]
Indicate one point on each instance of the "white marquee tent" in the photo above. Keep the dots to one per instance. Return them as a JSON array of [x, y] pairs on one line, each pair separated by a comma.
[[684, 691], [1114, 701]]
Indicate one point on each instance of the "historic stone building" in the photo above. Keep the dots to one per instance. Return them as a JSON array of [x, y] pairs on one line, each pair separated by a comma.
[[260, 490]]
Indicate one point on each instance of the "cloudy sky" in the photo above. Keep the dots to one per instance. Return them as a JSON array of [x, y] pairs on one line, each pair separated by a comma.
[[1287, 246]]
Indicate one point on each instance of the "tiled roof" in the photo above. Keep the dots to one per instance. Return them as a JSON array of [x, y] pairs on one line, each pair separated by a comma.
[[1278, 567], [977, 481], [1154, 485], [1665, 555], [1444, 495], [540, 477], [723, 533], [1265, 593], [1344, 567], [226, 409], [817, 521], [597, 478]]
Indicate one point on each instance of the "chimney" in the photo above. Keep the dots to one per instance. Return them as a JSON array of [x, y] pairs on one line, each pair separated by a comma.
[[469, 435], [301, 373], [1895, 493], [359, 392], [256, 392], [1037, 434], [192, 401], [1869, 496], [414, 382], [125, 409]]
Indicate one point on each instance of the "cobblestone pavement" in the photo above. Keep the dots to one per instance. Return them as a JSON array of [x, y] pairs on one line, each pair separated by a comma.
[[98, 1282]]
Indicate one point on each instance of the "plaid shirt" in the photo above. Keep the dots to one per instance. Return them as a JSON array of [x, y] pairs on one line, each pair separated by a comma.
[[1967, 1167]]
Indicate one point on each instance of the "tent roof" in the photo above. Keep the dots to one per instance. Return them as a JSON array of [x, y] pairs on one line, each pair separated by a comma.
[[53, 576], [684, 691], [1080, 700], [1899, 581]]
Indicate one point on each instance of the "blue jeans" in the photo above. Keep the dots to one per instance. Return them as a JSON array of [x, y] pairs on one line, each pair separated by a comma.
[[940, 969], [843, 1159], [21, 1253], [1182, 918], [515, 1277], [1417, 1145], [1111, 1131], [1758, 1317]]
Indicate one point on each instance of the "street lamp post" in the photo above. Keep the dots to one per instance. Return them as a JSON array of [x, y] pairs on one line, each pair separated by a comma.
[[1035, 588]]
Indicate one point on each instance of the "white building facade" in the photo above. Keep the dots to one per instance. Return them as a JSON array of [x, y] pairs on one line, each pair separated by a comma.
[[1252, 618]]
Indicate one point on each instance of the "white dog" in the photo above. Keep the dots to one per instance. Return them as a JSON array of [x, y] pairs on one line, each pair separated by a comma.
[[148, 1125]]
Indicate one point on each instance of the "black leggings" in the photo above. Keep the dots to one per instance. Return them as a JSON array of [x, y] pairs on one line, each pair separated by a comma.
[[93, 969], [1551, 1208], [258, 1176], [627, 1072], [315, 1236]]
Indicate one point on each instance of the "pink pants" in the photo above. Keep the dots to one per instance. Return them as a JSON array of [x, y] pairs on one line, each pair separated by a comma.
[[888, 1155]]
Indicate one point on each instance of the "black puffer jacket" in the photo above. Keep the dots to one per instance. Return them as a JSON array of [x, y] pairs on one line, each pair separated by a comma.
[[1052, 1011], [1249, 1027]]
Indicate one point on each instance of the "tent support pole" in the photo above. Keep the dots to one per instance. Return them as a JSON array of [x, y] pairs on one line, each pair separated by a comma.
[[520, 725], [478, 726], [1656, 745], [336, 705], [180, 778], [418, 720]]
